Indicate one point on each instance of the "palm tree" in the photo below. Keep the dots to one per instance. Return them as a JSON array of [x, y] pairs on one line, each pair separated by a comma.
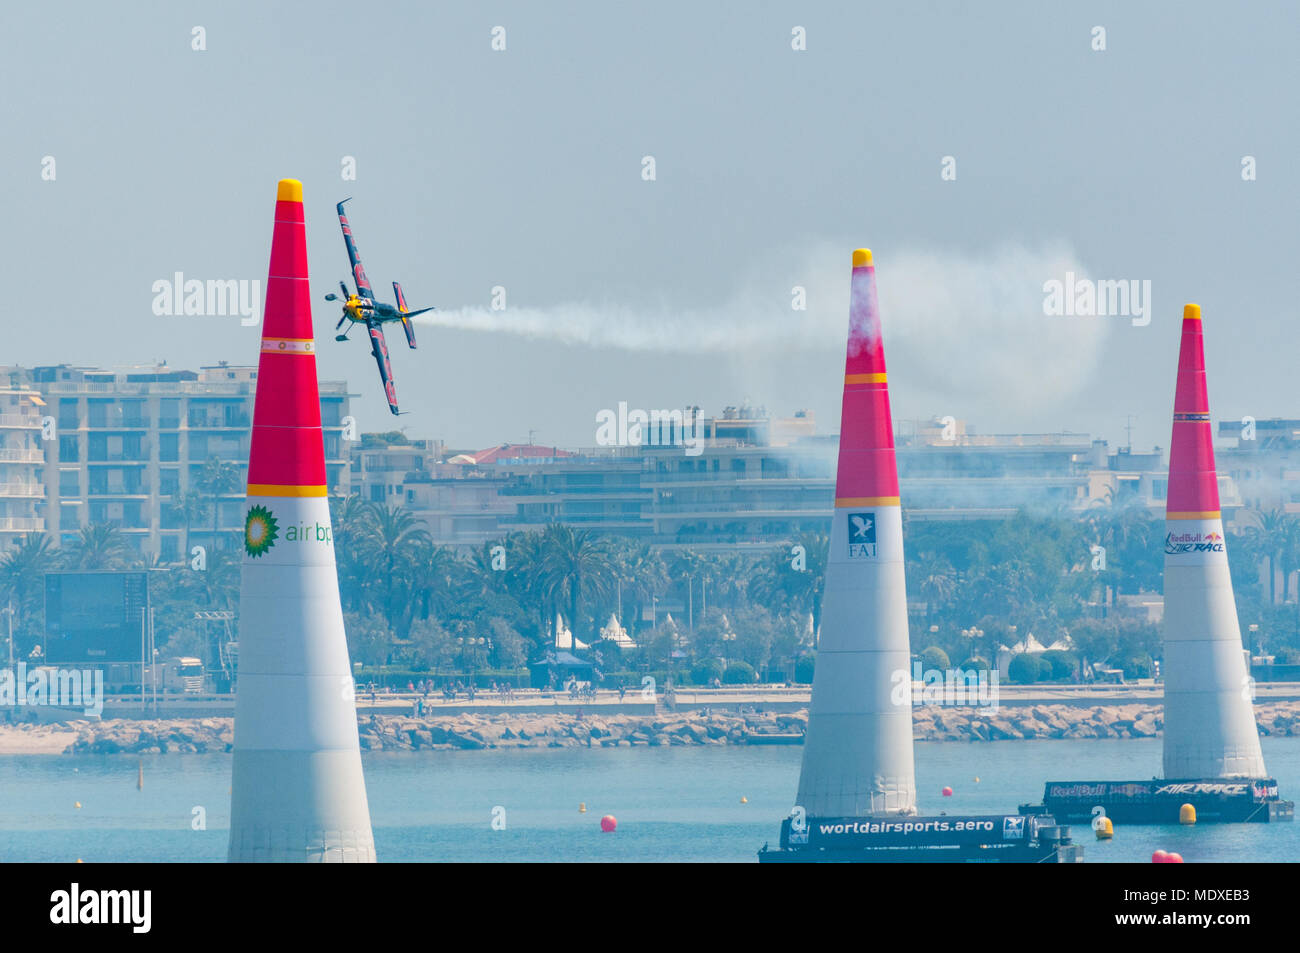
[[350, 518], [807, 588], [1288, 552], [217, 479], [1270, 532], [191, 507], [936, 581], [439, 578], [22, 575], [394, 542], [99, 546], [23, 569], [779, 587], [480, 577], [643, 571], [730, 579], [1005, 591], [530, 584], [577, 568], [218, 586]]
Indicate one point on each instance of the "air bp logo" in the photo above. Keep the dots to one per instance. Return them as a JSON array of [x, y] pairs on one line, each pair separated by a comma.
[[862, 535], [260, 531]]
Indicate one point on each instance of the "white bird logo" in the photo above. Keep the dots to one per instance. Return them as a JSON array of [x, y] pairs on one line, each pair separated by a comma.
[[861, 526]]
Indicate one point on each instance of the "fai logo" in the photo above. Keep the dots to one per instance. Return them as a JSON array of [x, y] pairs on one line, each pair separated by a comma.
[[260, 531], [862, 535], [1013, 828]]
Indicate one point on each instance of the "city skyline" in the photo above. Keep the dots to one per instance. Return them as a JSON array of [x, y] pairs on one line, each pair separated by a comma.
[[383, 425], [510, 169]]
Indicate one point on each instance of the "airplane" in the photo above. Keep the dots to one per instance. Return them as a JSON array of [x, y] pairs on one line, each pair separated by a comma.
[[362, 308]]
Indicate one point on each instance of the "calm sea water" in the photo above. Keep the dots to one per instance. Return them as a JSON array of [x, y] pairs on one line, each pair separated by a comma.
[[672, 804]]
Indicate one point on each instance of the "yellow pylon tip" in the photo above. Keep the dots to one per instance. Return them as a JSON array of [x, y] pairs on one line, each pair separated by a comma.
[[288, 190]]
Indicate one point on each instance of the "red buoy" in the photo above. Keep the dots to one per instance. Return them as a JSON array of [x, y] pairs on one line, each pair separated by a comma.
[[1174, 859], [1160, 857], [947, 792], [608, 823]]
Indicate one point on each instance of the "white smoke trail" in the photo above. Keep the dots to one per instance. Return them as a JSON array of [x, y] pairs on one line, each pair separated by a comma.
[[954, 320]]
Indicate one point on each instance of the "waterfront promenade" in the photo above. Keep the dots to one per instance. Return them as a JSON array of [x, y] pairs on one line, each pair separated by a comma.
[[767, 698]]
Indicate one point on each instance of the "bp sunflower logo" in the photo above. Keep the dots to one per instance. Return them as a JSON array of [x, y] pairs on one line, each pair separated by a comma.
[[260, 531]]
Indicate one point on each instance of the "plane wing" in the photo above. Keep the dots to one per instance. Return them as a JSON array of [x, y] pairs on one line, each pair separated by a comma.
[[379, 347], [358, 272]]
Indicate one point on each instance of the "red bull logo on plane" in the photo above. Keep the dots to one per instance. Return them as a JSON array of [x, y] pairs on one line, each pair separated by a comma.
[[1194, 542]]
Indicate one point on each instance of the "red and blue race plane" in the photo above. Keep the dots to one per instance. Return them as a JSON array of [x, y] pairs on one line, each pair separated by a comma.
[[362, 308]]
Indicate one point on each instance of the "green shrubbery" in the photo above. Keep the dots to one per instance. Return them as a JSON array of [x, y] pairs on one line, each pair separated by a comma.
[[1061, 666], [934, 657], [739, 673], [1137, 666], [1026, 669], [706, 670]]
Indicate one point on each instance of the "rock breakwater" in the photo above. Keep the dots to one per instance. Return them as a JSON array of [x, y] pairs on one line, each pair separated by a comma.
[[481, 731]]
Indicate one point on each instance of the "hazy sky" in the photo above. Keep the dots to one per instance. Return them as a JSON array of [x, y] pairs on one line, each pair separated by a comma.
[[523, 169]]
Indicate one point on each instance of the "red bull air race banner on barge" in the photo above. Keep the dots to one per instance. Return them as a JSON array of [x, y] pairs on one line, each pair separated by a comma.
[[1234, 800]]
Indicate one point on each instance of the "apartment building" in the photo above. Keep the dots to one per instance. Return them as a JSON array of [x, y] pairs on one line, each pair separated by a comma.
[[752, 481], [22, 463], [130, 446]]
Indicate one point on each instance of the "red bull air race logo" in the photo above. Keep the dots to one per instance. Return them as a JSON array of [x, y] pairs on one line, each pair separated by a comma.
[[1176, 544]]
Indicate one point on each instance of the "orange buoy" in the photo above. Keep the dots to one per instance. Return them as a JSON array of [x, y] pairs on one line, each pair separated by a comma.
[[608, 823]]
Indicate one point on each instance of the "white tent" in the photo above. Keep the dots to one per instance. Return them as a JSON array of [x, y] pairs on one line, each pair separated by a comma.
[[564, 636], [1027, 644], [614, 632]]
